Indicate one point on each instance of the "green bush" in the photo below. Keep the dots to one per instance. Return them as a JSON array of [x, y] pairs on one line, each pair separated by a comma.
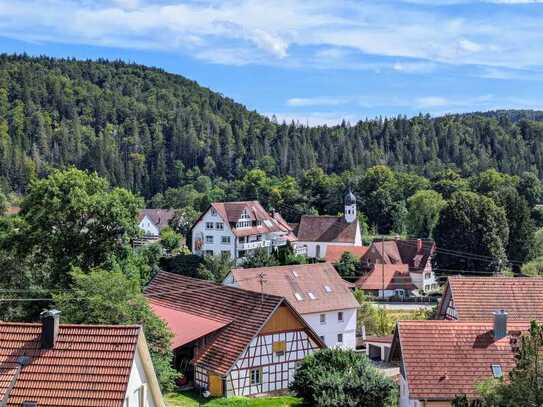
[[342, 378]]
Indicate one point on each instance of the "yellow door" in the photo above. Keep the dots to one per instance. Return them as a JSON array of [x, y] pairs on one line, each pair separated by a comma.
[[215, 385]]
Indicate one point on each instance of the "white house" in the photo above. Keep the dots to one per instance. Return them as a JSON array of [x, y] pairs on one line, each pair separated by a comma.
[[115, 359], [316, 233], [229, 341], [152, 221], [316, 291], [238, 229]]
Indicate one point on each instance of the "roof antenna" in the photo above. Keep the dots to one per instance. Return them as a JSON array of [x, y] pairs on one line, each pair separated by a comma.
[[261, 279]]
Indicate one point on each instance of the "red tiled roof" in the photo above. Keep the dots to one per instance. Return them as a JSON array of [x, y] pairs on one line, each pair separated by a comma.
[[379, 339], [443, 359], [326, 228], [13, 210], [244, 311], [178, 321], [303, 279], [396, 276], [476, 298], [160, 217], [88, 366], [402, 252], [334, 252]]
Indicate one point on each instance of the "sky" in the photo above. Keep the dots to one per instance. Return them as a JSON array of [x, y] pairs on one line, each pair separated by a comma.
[[315, 61]]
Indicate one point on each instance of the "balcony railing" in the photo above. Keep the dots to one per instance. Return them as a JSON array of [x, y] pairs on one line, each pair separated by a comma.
[[279, 242], [300, 251], [254, 245]]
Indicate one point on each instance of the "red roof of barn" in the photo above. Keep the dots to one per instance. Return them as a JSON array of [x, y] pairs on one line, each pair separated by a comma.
[[245, 313], [334, 252], [325, 228], [396, 276], [178, 321], [443, 359], [303, 279], [88, 366], [414, 252], [476, 298]]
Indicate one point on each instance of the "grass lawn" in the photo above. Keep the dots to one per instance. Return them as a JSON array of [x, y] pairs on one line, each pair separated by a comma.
[[193, 399]]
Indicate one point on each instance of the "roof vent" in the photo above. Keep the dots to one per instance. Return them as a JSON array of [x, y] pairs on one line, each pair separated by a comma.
[[49, 328], [500, 324]]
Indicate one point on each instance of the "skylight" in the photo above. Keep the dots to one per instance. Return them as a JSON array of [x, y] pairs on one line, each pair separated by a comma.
[[327, 288], [497, 371], [295, 274], [311, 295], [299, 296]]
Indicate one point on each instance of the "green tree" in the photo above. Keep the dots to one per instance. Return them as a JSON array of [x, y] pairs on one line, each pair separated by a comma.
[[260, 258], [474, 232], [531, 188], [423, 212], [215, 268], [348, 265], [169, 239], [3, 203], [183, 219], [110, 297], [533, 268], [74, 219], [335, 377]]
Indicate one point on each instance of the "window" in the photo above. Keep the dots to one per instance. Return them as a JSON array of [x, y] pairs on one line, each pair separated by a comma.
[[213, 212], [299, 296], [256, 376], [340, 316], [318, 252], [323, 319], [427, 276], [219, 225], [327, 289], [225, 252], [209, 252], [258, 223], [245, 215], [225, 239], [311, 296], [127, 401], [258, 238], [141, 396], [209, 225], [497, 371], [279, 348], [209, 239], [340, 338], [322, 338]]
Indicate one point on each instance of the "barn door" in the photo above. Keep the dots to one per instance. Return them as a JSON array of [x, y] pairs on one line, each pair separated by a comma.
[[215, 385]]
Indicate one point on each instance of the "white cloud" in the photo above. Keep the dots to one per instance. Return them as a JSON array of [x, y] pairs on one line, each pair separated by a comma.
[[316, 101], [431, 102], [266, 31], [414, 67]]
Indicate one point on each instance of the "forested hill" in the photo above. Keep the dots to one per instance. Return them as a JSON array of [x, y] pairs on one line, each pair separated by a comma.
[[144, 129]]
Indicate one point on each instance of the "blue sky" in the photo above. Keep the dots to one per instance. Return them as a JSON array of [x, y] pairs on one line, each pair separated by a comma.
[[317, 61]]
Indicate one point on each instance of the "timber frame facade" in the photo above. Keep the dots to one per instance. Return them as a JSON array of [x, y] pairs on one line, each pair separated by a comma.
[[269, 361]]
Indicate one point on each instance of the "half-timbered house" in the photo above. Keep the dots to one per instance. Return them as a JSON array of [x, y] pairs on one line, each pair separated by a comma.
[[231, 341]]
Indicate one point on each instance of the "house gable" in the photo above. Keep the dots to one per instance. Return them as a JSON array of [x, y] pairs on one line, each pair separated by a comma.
[[282, 320]]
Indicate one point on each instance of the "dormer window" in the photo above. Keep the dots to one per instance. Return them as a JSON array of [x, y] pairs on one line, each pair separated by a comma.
[[245, 215], [327, 289], [311, 295], [299, 296]]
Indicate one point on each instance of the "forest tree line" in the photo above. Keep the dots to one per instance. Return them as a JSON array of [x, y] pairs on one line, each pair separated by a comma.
[[147, 130]]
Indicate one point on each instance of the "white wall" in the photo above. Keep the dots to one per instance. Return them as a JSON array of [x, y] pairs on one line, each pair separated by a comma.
[[312, 246], [200, 231], [333, 327], [136, 381], [148, 227]]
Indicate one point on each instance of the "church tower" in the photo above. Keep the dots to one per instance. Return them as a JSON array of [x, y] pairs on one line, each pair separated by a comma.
[[350, 207]]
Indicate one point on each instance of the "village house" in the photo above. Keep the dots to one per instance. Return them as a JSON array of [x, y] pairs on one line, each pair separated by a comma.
[[440, 360], [415, 253], [387, 280], [231, 341], [334, 253], [475, 298], [238, 229], [316, 291], [152, 221], [316, 233], [52, 364]]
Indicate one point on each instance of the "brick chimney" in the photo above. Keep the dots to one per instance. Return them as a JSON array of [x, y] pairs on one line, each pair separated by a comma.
[[419, 246], [500, 324], [49, 328]]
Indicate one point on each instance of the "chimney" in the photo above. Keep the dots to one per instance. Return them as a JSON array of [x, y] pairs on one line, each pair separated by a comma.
[[419, 246], [500, 324], [49, 328]]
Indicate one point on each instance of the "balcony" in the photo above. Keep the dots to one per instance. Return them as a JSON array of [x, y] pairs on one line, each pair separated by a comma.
[[254, 245], [300, 250], [279, 242]]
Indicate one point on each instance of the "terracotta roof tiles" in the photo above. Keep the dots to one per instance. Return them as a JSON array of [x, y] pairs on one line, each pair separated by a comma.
[[334, 252], [392, 276], [313, 228], [442, 359], [302, 279], [89, 365]]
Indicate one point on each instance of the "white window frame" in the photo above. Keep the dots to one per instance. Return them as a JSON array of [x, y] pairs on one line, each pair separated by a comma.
[[209, 239], [219, 225], [340, 338], [209, 225], [226, 240], [255, 376], [322, 318]]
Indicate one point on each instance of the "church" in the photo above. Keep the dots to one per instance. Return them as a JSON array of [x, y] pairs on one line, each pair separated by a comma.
[[316, 233]]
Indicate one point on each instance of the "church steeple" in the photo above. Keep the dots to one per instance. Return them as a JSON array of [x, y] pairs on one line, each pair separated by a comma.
[[350, 207]]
